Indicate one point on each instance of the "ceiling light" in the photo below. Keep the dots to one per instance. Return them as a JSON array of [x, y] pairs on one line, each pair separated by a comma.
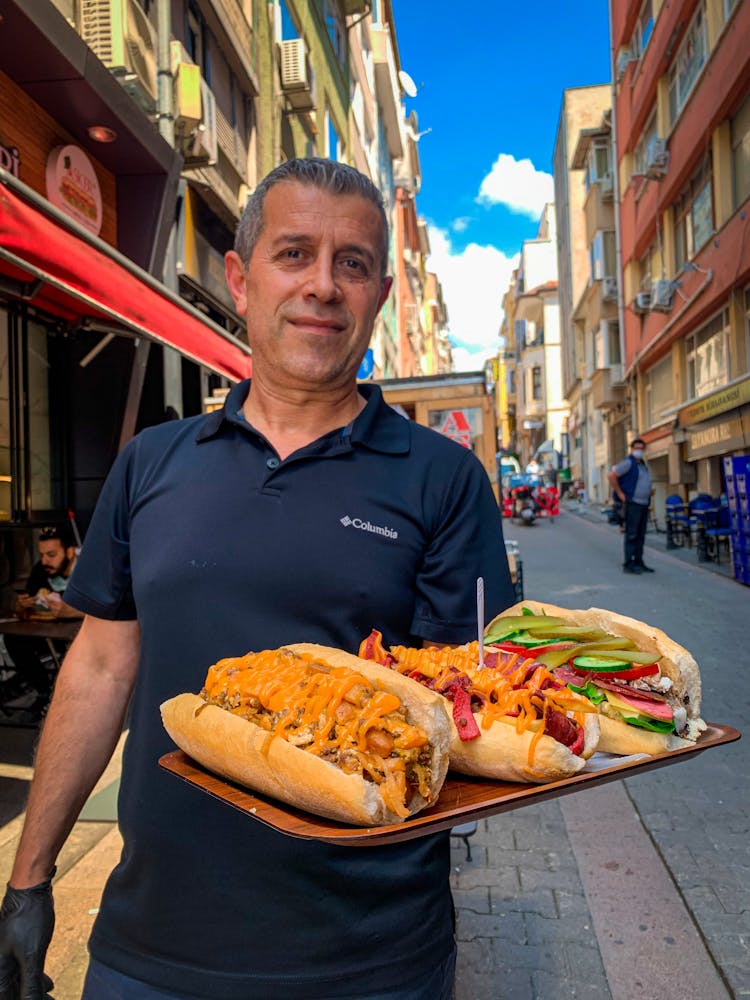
[[101, 133]]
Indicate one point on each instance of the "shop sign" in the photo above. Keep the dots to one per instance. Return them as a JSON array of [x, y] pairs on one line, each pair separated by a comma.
[[718, 402], [73, 187], [719, 437], [10, 160]]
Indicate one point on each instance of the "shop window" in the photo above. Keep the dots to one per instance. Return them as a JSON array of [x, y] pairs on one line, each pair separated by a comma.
[[707, 356], [740, 133], [643, 29], [641, 150], [694, 217], [659, 391], [689, 61]]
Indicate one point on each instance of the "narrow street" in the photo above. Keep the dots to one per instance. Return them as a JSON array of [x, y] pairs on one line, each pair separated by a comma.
[[638, 888]]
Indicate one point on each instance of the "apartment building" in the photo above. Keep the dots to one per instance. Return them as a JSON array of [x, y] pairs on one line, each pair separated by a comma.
[[588, 286], [682, 140], [541, 410]]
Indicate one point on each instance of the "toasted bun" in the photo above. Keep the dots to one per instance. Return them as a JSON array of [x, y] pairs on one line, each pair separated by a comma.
[[618, 737], [675, 662], [243, 752], [502, 753]]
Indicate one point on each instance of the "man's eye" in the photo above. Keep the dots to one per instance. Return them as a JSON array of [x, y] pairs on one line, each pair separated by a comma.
[[292, 253], [352, 264]]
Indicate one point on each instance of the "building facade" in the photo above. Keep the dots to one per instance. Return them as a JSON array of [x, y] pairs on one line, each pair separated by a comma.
[[682, 140]]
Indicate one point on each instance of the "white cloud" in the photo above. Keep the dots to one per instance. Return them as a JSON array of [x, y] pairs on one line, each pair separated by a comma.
[[518, 185], [461, 224], [473, 282]]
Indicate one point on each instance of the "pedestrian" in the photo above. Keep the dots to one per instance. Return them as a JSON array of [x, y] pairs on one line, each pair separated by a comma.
[[533, 468], [631, 483], [305, 510]]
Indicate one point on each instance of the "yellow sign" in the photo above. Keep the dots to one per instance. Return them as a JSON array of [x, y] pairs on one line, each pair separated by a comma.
[[718, 402]]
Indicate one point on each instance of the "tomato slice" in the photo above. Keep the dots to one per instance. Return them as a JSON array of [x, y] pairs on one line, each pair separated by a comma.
[[631, 674]]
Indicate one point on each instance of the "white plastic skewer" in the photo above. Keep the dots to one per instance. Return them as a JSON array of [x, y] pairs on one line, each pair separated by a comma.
[[480, 619]]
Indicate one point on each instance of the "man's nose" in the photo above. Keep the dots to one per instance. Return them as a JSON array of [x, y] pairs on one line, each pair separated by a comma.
[[321, 280]]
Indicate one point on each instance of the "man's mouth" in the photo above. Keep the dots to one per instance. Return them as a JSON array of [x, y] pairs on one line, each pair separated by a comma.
[[317, 323]]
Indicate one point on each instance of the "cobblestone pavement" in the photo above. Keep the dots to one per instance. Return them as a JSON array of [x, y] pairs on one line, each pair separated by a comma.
[[635, 889]]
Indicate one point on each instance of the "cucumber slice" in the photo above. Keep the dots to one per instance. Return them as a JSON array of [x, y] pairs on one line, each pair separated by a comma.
[[602, 663]]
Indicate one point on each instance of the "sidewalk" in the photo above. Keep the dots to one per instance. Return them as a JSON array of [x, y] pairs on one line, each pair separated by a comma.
[[654, 539]]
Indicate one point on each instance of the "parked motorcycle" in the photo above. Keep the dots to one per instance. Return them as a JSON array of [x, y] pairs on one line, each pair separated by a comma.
[[524, 508]]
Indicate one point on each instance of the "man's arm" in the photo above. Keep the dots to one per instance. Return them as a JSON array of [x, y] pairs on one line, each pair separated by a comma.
[[91, 697], [614, 480], [60, 609]]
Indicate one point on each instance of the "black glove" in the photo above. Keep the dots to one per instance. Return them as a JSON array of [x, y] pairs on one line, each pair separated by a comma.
[[27, 919]]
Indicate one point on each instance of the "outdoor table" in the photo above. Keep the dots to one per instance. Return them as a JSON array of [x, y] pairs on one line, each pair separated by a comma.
[[47, 629]]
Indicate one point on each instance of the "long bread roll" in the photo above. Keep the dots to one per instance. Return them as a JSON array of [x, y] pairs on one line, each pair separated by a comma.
[[678, 680], [511, 720], [331, 734]]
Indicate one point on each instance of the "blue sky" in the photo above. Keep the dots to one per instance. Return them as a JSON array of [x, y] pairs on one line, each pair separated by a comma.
[[490, 78]]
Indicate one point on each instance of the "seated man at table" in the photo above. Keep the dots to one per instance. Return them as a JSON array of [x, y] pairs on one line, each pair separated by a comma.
[[34, 657], [49, 577]]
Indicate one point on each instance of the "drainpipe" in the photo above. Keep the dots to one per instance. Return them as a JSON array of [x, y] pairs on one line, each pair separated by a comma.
[[616, 189], [165, 94]]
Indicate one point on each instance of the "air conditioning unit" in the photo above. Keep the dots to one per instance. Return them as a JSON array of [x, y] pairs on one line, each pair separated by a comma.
[[662, 295], [607, 186], [122, 37], [624, 57], [641, 303], [609, 289], [657, 158], [186, 77], [296, 78], [202, 148]]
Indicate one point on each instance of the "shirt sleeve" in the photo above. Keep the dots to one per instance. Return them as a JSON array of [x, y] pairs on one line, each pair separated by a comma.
[[100, 584], [467, 543], [621, 468]]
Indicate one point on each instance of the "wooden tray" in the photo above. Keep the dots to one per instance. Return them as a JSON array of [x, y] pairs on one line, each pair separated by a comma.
[[461, 799]]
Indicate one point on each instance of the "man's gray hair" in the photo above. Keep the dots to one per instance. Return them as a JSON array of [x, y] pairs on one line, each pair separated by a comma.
[[328, 175]]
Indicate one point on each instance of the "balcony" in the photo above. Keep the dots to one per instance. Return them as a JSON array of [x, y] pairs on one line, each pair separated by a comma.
[[605, 393], [387, 88]]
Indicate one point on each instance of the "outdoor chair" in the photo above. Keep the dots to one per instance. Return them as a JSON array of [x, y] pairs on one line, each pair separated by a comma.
[[718, 531], [700, 506], [464, 831], [677, 517]]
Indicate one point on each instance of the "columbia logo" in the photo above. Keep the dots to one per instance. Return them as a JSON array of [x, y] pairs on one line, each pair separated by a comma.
[[360, 525]]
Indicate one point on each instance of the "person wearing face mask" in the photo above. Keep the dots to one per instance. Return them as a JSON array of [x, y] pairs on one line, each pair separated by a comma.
[[631, 482]]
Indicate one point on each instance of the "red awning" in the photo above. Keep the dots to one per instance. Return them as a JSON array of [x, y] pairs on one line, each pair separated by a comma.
[[77, 277]]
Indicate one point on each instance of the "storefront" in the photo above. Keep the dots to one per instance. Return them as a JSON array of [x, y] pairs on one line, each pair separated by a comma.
[[88, 193], [712, 427]]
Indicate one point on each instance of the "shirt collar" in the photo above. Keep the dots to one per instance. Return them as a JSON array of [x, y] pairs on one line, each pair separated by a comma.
[[377, 427]]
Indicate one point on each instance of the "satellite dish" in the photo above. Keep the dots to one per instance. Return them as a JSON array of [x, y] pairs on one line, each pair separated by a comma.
[[410, 87]]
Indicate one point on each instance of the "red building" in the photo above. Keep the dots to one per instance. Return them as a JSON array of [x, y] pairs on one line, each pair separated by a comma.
[[682, 146]]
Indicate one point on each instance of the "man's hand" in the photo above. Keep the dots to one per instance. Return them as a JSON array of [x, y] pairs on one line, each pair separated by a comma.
[[27, 919], [60, 609], [24, 604]]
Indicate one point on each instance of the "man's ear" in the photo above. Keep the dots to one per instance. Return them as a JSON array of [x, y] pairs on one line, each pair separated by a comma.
[[234, 270]]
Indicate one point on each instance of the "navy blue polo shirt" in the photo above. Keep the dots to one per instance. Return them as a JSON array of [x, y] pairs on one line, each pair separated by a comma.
[[218, 547]]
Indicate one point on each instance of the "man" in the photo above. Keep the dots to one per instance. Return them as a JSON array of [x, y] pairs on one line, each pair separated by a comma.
[[35, 658], [238, 531], [631, 483], [57, 557]]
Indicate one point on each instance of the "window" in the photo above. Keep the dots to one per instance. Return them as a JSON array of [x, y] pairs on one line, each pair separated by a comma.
[[729, 6], [613, 342], [641, 150], [597, 161], [285, 27], [647, 268], [659, 390], [740, 133], [690, 59], [707, 353], [602, 255], [694, 218], [334, 146], [335, 28], [599, 359], [536, 382], [643, 29]]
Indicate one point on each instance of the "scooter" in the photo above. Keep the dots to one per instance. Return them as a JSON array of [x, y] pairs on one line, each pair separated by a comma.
[[524, 508]]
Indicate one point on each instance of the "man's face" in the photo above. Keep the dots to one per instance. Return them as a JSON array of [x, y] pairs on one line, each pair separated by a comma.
[[54, 556], [313, 287]]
